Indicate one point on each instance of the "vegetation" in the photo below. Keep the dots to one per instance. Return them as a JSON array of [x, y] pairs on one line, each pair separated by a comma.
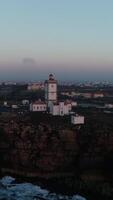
[[65, 157]]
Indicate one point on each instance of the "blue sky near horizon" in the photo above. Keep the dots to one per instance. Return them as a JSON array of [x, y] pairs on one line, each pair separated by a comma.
[[42, 36]]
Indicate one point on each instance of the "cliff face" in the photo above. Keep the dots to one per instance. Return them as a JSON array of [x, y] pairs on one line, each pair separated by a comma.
[[37, 148]]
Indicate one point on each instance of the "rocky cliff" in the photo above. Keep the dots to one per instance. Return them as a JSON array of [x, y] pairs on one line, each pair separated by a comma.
[[37, 146]]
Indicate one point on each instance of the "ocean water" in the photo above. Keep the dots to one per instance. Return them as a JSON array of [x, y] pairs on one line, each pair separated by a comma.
[[10, 190]]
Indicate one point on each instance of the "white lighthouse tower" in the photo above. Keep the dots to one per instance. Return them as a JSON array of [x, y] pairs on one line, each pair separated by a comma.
[[50, 89]]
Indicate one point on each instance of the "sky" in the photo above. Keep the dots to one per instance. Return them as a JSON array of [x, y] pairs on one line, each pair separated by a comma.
[[71, 38]]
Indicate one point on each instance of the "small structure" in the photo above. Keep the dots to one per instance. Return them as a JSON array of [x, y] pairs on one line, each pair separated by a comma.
[[38, 106], [74, 103], [77, 119], [14, 106], [25, 102], [109, 106], [86, 95], [98, 95], [5, 103], [35, 86]]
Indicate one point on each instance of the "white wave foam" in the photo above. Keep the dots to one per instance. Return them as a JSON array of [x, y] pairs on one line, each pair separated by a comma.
[[27, 191]]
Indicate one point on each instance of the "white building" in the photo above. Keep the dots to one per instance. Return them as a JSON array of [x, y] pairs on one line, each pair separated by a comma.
[[98, 95], [38, 106], [74, 103], [60, 108], [109, 106], [77, 119], [25, 102], [14, 106], [87, 95], [50, 90], [5, 103], [36, 86]]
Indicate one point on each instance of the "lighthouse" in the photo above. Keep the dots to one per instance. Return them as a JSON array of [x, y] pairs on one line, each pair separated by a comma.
[[50, 89]]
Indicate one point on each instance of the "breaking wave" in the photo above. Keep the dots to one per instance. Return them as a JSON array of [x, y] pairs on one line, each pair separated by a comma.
[[10, 190]]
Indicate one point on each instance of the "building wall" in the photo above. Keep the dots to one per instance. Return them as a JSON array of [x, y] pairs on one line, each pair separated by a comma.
[[74, 103], [64, 108], [52, 87], [56, 110], [38, 107], [108, 105], [97, 95], [53, 109], [25, 102], [60, 109], [77, 120], [50, 91]]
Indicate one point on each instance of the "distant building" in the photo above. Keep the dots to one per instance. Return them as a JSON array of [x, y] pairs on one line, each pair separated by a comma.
[[77, 119], [74, 103], [109, 106], [98, 95], [14, 106], [5, 103], [35, 86], [50, 89], [25, 102], [38, 106], [87, 95], [66, 94]]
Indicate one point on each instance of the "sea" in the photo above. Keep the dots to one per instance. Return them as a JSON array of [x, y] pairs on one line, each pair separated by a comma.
[[11, 190]]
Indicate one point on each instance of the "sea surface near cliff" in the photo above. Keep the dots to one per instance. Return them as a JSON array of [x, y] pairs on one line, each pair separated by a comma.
[[10, 190]]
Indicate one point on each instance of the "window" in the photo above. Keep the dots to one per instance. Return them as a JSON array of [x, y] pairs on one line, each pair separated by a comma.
[[62, 112]]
